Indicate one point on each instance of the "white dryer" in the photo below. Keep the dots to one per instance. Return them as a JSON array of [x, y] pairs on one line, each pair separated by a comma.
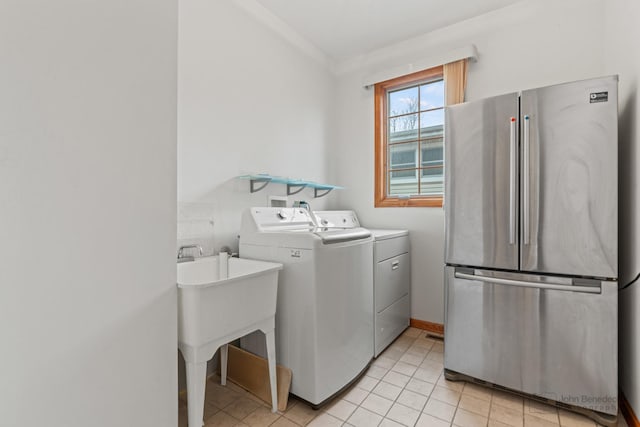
[[392, 276], [324, 314]]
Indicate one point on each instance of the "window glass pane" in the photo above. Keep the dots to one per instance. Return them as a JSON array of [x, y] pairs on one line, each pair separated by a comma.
[[431, 161], [411, 173], [433, 171], [403, 156], [431, 182], [403, 101], [403, 185], [431, 123], [432, 95], [403, 128], [432, 153]]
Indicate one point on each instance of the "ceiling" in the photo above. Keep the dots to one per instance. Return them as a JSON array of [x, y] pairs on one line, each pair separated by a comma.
[[346, 28]]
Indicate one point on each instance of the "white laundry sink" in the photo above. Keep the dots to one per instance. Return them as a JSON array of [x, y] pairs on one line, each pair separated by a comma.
[[210, 308], [213, 311]]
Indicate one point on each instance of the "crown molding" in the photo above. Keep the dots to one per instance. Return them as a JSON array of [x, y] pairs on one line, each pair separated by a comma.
[[284, 30]]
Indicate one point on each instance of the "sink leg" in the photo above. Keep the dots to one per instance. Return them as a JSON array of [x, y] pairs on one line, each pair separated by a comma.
[[224, 352], [271, 358], [196, 383]]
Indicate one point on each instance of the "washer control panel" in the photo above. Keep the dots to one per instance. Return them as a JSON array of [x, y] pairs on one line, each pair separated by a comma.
[[282, 218], [337, 219]]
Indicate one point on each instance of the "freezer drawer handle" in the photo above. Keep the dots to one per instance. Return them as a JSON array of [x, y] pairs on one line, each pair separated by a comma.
[[521, 283], [395, 265]]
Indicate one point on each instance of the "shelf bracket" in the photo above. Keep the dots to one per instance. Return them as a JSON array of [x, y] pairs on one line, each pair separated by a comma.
[[290, 188], [321, 192], [263, 181]]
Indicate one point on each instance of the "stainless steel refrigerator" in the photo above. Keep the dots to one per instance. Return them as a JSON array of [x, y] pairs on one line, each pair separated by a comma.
[[531, 206]]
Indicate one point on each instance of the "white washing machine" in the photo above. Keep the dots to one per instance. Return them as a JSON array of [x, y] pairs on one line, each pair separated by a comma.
[[392, 276], [324, 314]]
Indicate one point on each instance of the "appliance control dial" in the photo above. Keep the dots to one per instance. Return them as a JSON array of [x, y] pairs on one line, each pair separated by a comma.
[[282, 215], [324, 222]]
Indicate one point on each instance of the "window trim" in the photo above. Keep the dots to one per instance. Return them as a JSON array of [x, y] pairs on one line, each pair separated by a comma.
[[381, 159]]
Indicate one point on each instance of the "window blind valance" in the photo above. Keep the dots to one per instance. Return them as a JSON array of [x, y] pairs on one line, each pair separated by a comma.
[[467, 52]]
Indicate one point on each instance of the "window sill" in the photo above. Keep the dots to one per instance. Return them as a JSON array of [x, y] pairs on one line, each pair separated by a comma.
[[412, 202]]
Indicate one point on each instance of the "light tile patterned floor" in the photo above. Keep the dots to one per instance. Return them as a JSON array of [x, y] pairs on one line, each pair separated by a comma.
[[403, 387]]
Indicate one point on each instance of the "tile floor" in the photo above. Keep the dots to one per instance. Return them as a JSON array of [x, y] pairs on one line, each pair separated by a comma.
[[403, 387]]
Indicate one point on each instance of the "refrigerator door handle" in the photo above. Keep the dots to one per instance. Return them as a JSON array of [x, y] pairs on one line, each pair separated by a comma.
[[525, 176], [525, 284], [512, 182]]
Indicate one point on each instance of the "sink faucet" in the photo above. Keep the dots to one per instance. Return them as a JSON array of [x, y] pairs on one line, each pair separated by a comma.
[[185, 258]]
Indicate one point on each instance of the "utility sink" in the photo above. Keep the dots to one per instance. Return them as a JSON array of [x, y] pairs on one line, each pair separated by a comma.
[[213, 311]]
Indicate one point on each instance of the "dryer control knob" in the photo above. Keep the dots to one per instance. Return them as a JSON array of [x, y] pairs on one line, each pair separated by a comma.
[[282, 215]]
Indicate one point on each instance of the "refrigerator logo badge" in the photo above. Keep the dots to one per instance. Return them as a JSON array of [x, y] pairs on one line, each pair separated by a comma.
[[598, 97]]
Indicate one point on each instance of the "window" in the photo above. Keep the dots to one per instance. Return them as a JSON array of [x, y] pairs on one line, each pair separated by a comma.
[[409, 131]]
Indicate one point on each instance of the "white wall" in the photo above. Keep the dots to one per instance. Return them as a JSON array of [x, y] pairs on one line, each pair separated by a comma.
[[523, 46], [621, 57], [249, 102], [87, 217]]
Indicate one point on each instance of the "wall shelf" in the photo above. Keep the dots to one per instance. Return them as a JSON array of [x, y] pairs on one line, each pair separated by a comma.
[[294, 186]]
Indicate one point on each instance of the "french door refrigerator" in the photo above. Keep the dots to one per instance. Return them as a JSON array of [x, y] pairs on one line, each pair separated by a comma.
[[531, 271]]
